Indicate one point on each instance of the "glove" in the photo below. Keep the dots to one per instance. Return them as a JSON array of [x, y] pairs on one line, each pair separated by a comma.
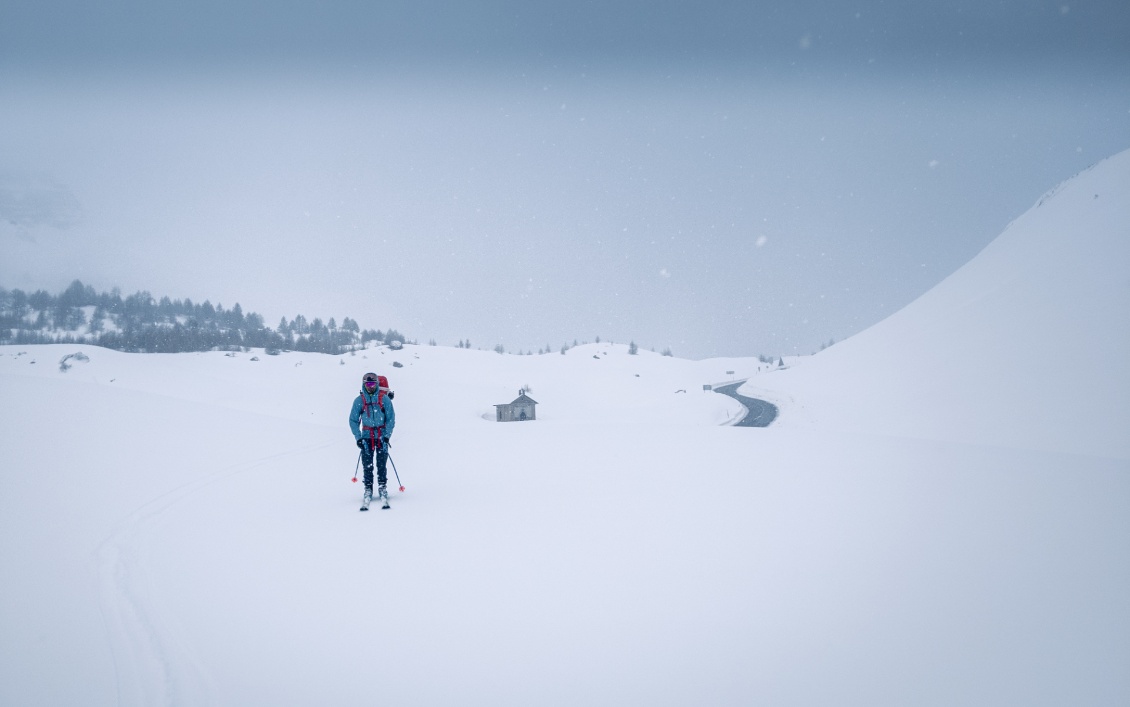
[[360, 444], [388, 441]]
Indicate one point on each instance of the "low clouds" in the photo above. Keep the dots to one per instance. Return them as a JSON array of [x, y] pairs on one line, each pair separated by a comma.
[[408, 33], [30, 201], [278, 155]]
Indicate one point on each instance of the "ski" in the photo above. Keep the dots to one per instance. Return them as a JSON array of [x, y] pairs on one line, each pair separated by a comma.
[[368, 498]]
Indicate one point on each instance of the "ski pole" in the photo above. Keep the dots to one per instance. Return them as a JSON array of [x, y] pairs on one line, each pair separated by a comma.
[[357, 467], [397, 473]]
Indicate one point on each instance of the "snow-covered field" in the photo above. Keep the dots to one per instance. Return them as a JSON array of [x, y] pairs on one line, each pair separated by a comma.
[[941, 514]]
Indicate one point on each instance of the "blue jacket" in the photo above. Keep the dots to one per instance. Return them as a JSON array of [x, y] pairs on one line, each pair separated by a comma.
[[362, 421]]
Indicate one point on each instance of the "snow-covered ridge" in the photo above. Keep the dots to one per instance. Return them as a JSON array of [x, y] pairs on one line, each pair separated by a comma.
[[1026, 345]]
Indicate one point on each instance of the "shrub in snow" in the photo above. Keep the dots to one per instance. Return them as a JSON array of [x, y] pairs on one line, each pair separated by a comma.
[[64, 366]]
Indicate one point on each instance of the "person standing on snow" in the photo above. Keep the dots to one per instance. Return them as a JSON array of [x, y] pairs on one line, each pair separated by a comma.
[[372, 420]]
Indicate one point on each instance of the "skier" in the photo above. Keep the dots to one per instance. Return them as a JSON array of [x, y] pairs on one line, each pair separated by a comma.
[[372, 420]]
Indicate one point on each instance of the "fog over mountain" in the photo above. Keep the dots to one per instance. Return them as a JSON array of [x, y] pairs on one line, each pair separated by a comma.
[[723, 178]]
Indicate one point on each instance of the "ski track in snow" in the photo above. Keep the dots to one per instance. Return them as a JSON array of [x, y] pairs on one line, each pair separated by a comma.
[[152, 667]]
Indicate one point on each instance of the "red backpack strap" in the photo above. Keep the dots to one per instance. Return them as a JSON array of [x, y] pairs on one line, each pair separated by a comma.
[[374, 433]]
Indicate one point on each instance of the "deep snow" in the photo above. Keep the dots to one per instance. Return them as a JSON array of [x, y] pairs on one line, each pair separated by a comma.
[[940, 515]]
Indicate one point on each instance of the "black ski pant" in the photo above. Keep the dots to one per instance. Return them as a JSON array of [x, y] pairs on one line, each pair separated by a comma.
[[367, 462]]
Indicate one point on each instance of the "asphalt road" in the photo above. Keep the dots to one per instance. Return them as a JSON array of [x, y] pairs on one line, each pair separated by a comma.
[[761, 413]]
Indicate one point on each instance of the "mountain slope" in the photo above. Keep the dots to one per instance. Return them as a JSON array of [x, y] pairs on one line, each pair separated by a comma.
[[1026, 345]]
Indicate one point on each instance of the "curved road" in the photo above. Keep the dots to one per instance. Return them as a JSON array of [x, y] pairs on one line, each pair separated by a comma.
[[761, 413]]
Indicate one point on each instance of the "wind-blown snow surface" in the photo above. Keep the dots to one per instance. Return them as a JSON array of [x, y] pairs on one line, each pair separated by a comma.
[[181, 529]]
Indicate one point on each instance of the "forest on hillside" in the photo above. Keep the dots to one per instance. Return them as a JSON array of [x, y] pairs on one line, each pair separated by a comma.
[[142, 323]]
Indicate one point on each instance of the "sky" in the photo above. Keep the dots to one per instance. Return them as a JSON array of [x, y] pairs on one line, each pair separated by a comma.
[[719, 178]]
